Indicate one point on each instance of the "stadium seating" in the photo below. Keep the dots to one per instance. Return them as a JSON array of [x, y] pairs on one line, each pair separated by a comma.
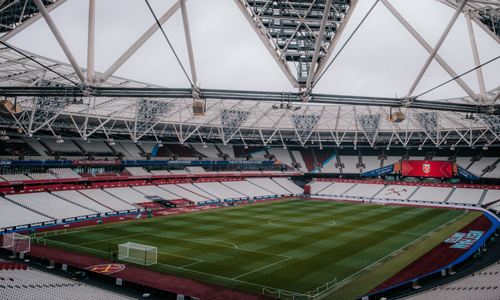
[[160, 172], [209, 150], [12, 214], [194, 189], [371, 163], [219, 190], [107, 200], [36, 145], [491, 196], [478, 166], [79, 198], [364, 190], [153, 190], [433, 194], [464, 162], [137, 171], [127, 194], [64, 173], [270, 185], [186, 194], [308, 159], [281, 155], [16, 177], [318, 186], [337, 188], [179, 172], [349, 163], [247, 188], [289, 185], [67, 148], [478, 286], [195, 170], [466, 196], [130, 149], [147, 147], [26, 283], [50, 205], [390, 160], [41, 176], [300, 161], [95, 147], [397, 192]]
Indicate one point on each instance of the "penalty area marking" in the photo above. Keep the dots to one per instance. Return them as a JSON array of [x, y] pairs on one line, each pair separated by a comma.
[[216, 240]]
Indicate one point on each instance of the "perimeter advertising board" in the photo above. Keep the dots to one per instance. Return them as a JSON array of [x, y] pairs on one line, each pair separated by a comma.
[[423, 168]]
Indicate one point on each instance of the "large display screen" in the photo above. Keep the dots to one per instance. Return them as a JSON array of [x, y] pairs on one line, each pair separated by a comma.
[[423, 168]]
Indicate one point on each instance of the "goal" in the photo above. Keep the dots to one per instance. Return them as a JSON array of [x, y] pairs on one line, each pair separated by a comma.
[[137, 253], [16, 242]]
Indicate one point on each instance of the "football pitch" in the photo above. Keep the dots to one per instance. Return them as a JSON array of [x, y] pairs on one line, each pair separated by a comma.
[[283, 248]]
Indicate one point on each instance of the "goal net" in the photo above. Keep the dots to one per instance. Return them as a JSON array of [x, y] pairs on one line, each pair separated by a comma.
[[16, 242], [137, 253]]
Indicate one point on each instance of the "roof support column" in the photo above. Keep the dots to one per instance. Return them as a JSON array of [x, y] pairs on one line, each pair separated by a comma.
[[130, 51], [60, 39], [187, 33], [477, 62], [427, 47], [436, 48], [91, 43]]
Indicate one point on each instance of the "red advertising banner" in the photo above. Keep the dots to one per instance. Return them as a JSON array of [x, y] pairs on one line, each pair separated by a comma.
[[423, 168], [96, 162]]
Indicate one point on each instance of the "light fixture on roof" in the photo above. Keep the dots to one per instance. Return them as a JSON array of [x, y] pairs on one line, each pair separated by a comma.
[[160, 145], [111, 142], [452, 148], [485, 147], [419, 148], [284, 147], [59, 140], [204, 145], [246, 146], [321, 147]]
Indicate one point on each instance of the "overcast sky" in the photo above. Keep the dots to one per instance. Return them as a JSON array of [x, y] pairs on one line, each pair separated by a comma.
[[382, 59]]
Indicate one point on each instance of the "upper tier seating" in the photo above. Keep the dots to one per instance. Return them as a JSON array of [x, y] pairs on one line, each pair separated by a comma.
[[147, 147], [42, 176], [390, 160], [96, 147], [179, 172], [300, 161], [464, 162], [160, 172], [270, 185], [50, 205], [289, 185], [12, 214], [68, 147], [210, 151], [228, 150], [130, 148], [16, 177], [64, 173], [478, 166], [37, 146], [349, 163], [371, 163], [81, 199], [281, 155], [195, 170], [107, 200], [137, 171]]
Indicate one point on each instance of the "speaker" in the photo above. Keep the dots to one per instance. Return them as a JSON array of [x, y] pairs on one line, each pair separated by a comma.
[[199, 108], [396, 117], [6, 106]]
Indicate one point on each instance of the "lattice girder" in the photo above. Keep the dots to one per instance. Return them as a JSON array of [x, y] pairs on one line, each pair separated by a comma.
[[231, 121], [304, 125]]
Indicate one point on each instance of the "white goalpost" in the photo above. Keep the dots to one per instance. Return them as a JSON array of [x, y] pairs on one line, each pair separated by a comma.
[[16, 242], [138, 253]]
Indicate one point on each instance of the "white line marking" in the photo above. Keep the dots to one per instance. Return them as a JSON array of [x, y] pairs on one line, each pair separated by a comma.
[[270, 222], [216, 240], [264, 267]]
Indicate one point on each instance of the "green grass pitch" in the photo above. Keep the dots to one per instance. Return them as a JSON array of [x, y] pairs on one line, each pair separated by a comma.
[[296, 246]]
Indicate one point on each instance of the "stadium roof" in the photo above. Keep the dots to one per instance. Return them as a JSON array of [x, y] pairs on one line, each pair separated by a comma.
[[56, 96]]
